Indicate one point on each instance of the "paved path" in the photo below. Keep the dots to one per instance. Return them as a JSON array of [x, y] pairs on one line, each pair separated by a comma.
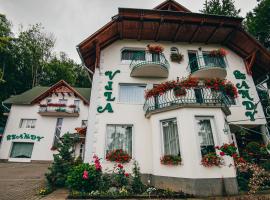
[[21, 181]]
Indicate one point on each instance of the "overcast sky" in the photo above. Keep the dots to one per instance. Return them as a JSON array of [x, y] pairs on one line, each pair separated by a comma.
[[71, 21]]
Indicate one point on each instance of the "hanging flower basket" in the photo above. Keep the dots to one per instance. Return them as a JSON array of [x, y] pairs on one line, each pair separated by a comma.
[[170, 160], [177, 57], [211, 160], [152, 48], [178, 92], [118, 155], [218, 53]]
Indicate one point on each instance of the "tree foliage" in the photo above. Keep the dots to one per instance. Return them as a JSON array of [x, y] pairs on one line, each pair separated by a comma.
[[220, 7], [28, 60], [258, 22]]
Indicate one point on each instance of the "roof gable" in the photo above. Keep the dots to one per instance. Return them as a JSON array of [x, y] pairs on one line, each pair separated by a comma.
[[171, 5], [60, 87]]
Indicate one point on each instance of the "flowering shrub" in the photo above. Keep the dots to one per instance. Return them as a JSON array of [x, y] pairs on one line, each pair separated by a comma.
[[228, 150], [152, 48], [219, 52], [119, 176], [170, 160], [216, 84], [85, 177], [118, 155], [211, 159]]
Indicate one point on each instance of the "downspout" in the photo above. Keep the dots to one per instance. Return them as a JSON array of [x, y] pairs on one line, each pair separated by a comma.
[[83, 64]]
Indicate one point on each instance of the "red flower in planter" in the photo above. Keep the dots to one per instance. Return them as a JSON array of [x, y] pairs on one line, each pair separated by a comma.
[[118, 155], [170, 160], [211, 159]]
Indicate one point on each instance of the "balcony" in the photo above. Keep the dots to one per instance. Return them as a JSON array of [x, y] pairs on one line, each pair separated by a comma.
[[207, 66], [199, 96], [149, 65], [59, 110]]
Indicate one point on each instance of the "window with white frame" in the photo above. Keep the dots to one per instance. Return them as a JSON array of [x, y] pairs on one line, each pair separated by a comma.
[[27, 123], [132, 54], [213, 61], [170, 137], [21, 150], [205, 132], [119, 137], [132, 93]]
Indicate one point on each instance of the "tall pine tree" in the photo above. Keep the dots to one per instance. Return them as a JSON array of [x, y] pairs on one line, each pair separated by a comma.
[[258, 22], [220, 7]]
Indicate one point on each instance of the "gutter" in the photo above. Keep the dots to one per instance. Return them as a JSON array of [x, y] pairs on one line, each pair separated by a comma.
[[5, 106], [83, 64]]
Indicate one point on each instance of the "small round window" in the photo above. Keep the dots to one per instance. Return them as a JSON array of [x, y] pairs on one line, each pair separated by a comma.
[[174, 50]]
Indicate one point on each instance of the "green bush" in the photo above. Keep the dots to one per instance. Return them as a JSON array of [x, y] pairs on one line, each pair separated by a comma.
[[253, 147], [136, 184], [75, 180], [62, 163]]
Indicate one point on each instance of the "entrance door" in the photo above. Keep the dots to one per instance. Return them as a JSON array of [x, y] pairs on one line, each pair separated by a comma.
[[21, 150]]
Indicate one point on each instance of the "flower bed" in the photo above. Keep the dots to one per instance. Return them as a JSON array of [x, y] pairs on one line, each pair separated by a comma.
[[170, 160], [216, 84], [211, 160], [152, 48], [118, 155]]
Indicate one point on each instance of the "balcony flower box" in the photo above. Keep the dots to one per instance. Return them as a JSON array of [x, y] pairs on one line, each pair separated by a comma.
[[177, 57], [218, 53], [211, 160], [170, 160], [56, 105], [178, 91], [72, 106], [118, 155], [60, 109], [155, 48]]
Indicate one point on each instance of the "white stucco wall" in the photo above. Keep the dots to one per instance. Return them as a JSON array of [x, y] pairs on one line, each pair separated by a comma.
[[146, 132], [45, 127]]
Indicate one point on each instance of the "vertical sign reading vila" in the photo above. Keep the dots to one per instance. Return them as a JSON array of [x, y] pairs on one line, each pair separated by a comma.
[[243, 90], [108, 92]]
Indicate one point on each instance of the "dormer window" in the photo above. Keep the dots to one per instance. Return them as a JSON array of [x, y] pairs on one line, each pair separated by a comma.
[[132, 54]]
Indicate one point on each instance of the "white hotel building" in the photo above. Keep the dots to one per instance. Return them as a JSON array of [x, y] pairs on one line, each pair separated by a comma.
[[119, 116]]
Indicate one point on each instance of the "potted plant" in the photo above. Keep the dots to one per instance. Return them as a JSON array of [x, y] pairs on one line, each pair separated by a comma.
[[211, 160], [177, 57], [218, 53], [227, 149], [152, 48], [170, 160], [118, 155]]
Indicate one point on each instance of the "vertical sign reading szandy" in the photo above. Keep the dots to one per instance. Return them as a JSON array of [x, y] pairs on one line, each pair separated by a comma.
[[108, 92], [243, 90]]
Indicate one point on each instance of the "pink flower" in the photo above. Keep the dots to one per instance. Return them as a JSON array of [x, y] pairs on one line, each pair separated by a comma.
[[98, 166], [222, 153], [126, 174], [85, 175]]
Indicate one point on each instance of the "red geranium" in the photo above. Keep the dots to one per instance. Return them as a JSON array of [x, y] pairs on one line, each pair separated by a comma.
[[118, 155]]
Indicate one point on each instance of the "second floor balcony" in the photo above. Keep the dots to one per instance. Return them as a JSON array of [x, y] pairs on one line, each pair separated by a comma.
[[59, 110], [214, 93], [207, 66], [149, 64]]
